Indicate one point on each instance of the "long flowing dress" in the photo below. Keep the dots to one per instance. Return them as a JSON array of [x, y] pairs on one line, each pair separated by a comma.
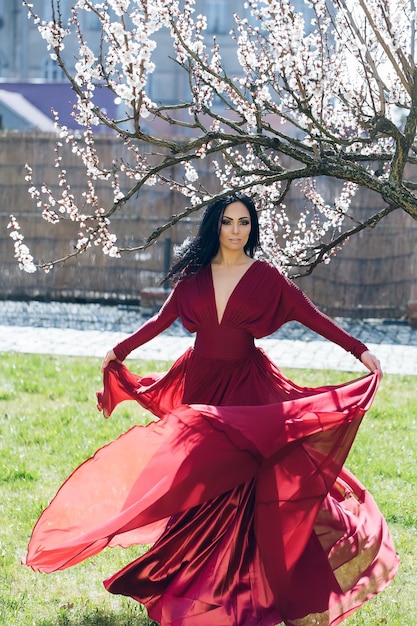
[[240, 484]]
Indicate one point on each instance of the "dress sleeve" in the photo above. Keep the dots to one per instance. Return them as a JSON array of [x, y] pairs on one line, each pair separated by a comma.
[[296, 306], [150, 329]]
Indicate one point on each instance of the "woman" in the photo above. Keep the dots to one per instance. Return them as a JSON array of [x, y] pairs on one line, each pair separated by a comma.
[[240, 485]]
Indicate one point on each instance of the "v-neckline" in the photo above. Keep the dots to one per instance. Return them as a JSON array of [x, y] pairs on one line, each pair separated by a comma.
[[213, 291]]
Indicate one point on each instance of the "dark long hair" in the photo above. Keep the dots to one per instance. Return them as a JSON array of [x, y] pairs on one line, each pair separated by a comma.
[[205, 246]]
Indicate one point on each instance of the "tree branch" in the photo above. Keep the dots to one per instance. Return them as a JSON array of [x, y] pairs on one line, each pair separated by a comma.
[[319, 253]]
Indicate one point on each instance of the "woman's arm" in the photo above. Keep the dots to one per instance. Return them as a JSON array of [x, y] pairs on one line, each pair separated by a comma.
[[300, 308], [150, 329]]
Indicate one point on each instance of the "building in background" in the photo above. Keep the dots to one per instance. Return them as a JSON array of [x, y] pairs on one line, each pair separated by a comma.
[[27, 69], [32, 85]]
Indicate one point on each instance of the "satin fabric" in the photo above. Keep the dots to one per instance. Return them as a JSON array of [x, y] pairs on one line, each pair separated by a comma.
[[240, 486]]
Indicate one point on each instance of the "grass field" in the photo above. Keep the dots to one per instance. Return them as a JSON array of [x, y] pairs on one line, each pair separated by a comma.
[[49, 424]]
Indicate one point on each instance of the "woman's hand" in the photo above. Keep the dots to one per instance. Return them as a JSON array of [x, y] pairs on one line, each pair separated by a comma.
[[110, 356], [371, 362]]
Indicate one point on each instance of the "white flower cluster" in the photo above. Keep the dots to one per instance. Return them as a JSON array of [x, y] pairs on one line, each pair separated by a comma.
[[308, 91], [22, 252]]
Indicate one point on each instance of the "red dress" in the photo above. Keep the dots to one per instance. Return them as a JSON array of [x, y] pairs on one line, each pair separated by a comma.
[[239, 485]]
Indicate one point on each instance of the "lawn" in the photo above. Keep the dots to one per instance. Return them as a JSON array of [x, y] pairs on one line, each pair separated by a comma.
[[49, 424]]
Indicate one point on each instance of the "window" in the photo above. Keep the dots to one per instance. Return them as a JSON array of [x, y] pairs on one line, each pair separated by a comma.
[[217, 16], [3, 65], [92, 21], [51, 71]]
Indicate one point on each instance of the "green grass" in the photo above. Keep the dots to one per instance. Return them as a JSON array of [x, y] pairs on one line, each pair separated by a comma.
[[48, 425]]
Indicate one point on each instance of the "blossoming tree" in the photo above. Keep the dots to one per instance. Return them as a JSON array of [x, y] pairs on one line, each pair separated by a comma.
[[334, 97]]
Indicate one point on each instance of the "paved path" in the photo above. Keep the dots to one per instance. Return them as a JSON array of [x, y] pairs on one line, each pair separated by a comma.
[[91, 329]]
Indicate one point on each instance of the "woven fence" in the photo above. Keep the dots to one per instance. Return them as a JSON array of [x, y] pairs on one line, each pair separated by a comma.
[[374, 275]]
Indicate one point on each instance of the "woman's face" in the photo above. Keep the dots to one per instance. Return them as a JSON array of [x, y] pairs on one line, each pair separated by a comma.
[[235, 227]]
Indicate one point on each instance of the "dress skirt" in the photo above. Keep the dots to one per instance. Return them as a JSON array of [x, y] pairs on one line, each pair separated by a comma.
[[241, 489]]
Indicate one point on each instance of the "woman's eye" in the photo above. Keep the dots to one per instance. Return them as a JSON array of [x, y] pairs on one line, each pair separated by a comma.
[[241, 223]]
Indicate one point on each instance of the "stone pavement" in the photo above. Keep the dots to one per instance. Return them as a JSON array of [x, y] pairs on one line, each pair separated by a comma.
[[91, 329]]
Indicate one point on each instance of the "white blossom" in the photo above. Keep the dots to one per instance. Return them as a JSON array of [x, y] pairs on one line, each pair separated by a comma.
[[22, 252]]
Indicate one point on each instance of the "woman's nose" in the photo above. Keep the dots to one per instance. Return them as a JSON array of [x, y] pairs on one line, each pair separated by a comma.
[[235, 228]]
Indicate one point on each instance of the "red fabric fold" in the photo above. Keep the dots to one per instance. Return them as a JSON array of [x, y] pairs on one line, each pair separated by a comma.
[[229, 494]]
